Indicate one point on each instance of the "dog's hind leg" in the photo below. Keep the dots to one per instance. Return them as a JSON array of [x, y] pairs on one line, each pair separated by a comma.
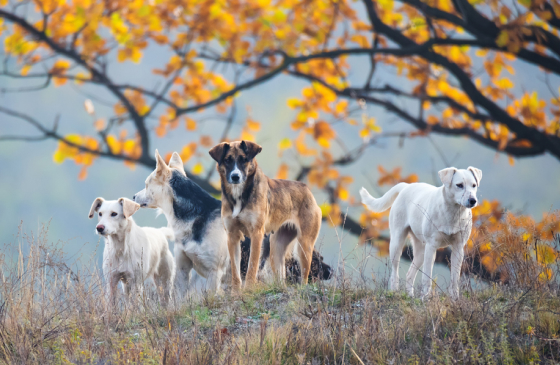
[[417, 261], [184, 266], [398, 239], [279, 243], [307, 235], [214, 281]]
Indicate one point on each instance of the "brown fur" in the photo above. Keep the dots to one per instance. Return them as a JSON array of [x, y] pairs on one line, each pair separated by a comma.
[[284, 207]]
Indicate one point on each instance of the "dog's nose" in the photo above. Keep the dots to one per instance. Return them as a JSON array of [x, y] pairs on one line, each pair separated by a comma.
[[472, 202], [134, 197], [235, 177], [100, 228]]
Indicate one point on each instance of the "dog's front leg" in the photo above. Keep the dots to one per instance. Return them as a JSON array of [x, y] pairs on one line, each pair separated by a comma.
[[255, 256], [234, 248], [429, 258], [112, 284], [184, 266], [457, 255]]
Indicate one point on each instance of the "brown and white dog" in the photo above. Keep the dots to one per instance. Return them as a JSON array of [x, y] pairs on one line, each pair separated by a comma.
[[253, 204]]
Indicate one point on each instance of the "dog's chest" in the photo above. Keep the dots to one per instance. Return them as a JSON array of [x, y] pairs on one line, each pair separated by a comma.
[[236, 191]]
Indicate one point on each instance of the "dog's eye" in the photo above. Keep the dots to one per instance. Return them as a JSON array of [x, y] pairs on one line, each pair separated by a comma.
[[229, 159], [113, 214], [100, 214], [474, 185], [460, 186], [242, 159]]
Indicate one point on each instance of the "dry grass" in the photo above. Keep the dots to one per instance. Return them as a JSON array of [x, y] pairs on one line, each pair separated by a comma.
[[50, 313]]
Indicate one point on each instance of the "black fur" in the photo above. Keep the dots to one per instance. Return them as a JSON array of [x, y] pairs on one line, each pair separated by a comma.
[[319, 269], [191, 202]]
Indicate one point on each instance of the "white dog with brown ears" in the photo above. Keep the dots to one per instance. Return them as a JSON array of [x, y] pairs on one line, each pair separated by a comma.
[[434, 218], [132, 254]]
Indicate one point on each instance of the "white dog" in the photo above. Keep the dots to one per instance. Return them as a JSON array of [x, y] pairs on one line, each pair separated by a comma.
[[434, 218], [132, 254]]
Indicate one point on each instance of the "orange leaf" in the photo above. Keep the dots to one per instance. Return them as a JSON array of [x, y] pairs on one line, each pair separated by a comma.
[[253, 125], [99, 124], [83, 173], [190, 124], [282, 172]]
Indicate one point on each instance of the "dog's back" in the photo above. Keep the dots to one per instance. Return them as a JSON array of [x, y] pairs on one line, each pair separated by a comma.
[[289, 201]]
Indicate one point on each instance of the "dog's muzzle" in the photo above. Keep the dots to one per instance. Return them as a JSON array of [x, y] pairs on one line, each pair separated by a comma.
[[471, 202], [235, 178], [100, 228], [143, 205]]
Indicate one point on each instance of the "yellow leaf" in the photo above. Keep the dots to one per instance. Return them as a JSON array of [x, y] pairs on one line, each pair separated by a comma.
[[325, 209], [546, 255], [504, 83], [343, 194], [198, 169], [188, 151], [246, 135], [190, 124], [545, 275], [25, 70], [503, 39], [284, 144], [58, 157], [294, 103]]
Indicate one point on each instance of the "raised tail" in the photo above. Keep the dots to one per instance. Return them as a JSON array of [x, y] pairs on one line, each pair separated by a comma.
[[381, 204]]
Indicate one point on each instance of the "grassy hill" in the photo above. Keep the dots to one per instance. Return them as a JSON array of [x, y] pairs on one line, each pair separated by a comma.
[[51, 313]]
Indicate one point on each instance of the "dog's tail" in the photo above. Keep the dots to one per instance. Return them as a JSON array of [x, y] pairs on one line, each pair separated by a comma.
[[381, 204], [168, 233]]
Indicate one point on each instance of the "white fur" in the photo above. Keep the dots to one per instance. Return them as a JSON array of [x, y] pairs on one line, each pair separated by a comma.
[[236, 191], [209, 258], [133, 254], [434, 218]]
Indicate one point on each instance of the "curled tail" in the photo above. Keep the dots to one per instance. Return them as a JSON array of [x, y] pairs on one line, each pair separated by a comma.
[[168, 233], [381, 204]]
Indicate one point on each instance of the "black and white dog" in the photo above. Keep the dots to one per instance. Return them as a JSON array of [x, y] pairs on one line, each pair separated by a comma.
[[195, 217]]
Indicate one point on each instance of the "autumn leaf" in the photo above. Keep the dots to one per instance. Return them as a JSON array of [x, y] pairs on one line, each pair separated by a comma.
[[190, 124], [99, 124], [253, 125], [198, 169], [282, 172], [284, 144]]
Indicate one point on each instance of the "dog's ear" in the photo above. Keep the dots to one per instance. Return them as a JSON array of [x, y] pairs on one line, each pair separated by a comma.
[[218, 152], [161, 166], [251, 149], [95, 206], [128, 207], [176, 163], [446, 175], [477, 174]]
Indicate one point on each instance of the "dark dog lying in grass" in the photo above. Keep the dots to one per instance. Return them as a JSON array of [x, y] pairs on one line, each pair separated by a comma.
[[319, 269]]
